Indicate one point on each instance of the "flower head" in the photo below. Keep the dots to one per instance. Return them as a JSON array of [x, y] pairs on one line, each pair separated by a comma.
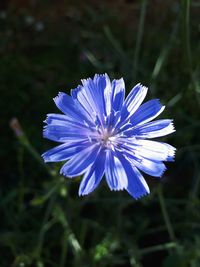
[[101, 132]]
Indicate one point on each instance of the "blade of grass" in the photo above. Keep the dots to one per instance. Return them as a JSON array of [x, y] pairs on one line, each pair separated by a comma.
[[139, 37], [165, 246], [163, 56], [46, 225], [114, 42], [187, 46], [24, 141], [186, 32], [96, 63], [166, 215], [194, 81]]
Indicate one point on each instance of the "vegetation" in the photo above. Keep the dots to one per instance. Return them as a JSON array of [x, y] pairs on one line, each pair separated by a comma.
[[47, 47]]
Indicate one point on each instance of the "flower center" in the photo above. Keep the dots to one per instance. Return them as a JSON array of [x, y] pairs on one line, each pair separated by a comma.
[[106, 138]]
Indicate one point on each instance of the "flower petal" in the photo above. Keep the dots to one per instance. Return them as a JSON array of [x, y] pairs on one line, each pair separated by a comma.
[[118, 93], [78, 164], [137, 186], [107, 95], [134, 100], [91, 95], [64, 120], [94, 175], [71, 107], [147, 112], [64, 151], [101, 82], [152, 150], [152, 129], [60, 133], [115, 174], [153, 168], [81, 95], [150, 166]]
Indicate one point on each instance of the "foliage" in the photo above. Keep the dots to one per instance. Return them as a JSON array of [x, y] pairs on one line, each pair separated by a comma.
[[46, 48]]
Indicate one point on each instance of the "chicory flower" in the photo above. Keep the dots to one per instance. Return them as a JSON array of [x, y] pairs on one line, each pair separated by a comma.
[[100, 132]]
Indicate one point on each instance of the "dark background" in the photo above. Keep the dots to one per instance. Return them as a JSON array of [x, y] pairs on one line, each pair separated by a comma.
[[47, 47]]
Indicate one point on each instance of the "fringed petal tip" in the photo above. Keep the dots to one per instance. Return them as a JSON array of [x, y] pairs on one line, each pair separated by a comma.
[[47, 118], [172, 125], [96, 76], [117, 189], [141, 86], [60, 94], [161, 173], [74, 92], [136, 196], [82, 194], [171, 154], [45, 131], [104, 75], [64, 173], [170, 128], [138, 86], [45, 157], [85, 81], [144, 87], [139, 196]]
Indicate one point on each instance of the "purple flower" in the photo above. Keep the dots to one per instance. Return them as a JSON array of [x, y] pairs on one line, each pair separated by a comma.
[[101, 133]]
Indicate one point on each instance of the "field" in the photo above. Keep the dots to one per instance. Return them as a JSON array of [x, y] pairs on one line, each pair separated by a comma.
[[49, 46]]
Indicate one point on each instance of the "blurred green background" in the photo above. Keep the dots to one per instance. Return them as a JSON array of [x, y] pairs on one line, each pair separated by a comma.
[[48, 46]]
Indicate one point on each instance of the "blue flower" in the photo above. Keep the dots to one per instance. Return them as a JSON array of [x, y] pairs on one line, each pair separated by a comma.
[[101, 132]]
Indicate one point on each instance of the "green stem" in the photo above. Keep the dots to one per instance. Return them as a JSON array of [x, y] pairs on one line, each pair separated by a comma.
[[196, 179], [187, 46], [46, 225], [25, 142], [139, 36], [194, 80], [166, 215], [21, 182], [114, 42], [64, 249], [186, 32], [23, 139], [158, 248]]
